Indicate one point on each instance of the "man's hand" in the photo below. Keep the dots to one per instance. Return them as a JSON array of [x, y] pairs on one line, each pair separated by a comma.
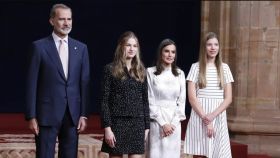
[[82, 124], [33, 126]]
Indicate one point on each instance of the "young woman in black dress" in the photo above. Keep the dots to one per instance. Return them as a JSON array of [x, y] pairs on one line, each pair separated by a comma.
[[124, 101]]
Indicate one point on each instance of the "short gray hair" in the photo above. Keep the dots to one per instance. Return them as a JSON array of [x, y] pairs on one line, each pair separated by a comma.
[[56, 6]]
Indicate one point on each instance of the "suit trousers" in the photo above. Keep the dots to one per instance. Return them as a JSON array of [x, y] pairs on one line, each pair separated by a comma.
[[67, 135]]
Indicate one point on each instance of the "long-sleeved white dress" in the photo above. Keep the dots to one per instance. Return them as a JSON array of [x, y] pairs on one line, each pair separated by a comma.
[[167, 96]]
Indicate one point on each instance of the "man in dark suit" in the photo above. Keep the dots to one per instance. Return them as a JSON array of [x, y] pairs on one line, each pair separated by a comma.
[[57, 88]]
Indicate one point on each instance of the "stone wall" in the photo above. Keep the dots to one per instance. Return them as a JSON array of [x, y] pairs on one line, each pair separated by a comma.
[[249, 36]]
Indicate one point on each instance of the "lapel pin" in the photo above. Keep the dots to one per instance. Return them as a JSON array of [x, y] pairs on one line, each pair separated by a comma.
[[75, 48]]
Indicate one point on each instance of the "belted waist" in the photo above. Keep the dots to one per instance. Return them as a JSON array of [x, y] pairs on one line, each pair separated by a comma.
[[166, 103]]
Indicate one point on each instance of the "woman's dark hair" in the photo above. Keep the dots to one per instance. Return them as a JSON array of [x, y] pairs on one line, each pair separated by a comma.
[[159, 66]]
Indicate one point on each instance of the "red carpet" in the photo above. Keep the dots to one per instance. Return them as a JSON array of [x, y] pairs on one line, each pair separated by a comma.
[[239, 150], [258, 156], [15, 124]]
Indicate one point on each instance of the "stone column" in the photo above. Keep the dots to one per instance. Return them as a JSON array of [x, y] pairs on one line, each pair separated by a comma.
[[249, 37]]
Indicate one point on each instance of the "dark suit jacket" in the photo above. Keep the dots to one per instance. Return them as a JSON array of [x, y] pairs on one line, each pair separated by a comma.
[[123, 98], [48, 92]]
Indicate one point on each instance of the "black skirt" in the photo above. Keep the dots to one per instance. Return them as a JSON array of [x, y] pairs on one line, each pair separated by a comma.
[[129, 133]]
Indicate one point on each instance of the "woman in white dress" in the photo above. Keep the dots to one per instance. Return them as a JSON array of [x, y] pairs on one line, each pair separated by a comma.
[[210, 93], [167, 95]]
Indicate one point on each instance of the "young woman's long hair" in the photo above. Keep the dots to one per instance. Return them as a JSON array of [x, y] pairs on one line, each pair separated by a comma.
[[137, 70], [159, 63], [203, 60]]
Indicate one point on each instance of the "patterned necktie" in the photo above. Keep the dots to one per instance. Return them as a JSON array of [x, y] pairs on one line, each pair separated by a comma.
[[63, 54]]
